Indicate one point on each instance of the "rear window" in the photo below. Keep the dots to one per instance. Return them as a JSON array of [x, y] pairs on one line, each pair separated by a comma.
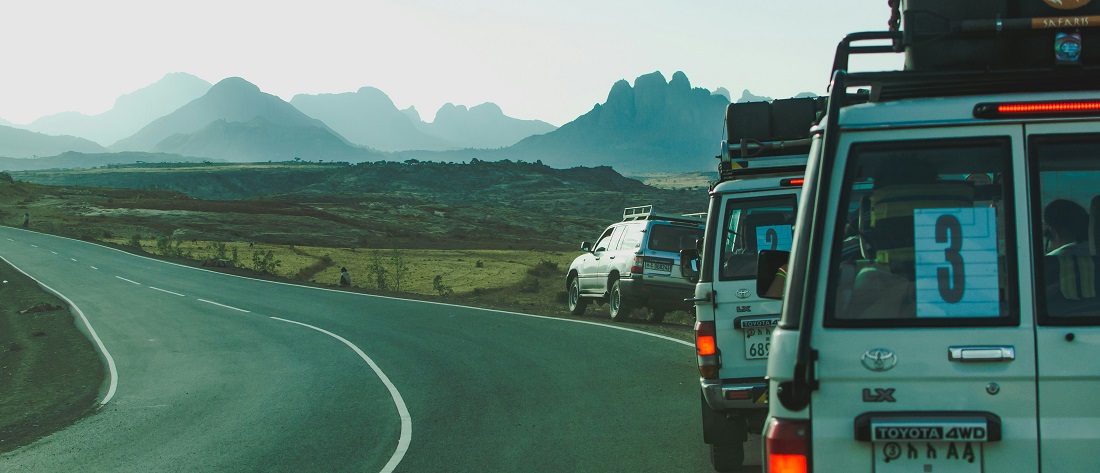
[[921, 240], [751, 225], [673, 238], [1068, 228]]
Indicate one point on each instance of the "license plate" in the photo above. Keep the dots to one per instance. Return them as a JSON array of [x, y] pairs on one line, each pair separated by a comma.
[[658, 266], [758, 341], [920, 457]]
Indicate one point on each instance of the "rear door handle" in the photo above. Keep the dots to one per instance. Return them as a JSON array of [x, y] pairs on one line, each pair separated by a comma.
[[984, 353]]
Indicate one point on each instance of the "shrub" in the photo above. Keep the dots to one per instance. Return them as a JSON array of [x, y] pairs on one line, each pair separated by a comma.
[[544, 269], [265, 262], [438, 286], [529, 284]]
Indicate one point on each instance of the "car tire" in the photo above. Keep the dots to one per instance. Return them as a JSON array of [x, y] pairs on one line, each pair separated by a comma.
[[577, 303], [620, 307], [727, 451]]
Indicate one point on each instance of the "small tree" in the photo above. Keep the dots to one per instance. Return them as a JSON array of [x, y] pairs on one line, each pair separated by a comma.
[[377, 269], [438, 286], [265, 262], [397, 258]]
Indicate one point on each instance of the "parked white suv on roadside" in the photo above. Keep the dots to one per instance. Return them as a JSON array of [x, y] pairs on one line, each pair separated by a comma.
[[963, 334], [635, 263]]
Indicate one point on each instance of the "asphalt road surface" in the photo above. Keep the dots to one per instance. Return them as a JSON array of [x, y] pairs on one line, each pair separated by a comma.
[[211, 372]]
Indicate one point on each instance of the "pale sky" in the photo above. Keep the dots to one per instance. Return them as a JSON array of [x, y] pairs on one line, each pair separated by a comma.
[[548, 60]]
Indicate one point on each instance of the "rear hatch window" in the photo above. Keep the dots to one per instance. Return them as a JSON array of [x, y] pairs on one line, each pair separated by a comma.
[[751, 225], [921, 238]]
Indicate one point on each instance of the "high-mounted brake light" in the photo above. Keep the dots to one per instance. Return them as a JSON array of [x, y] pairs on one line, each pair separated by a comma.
[[1061, 108], [706, 346], [792, 182], [787, 446]]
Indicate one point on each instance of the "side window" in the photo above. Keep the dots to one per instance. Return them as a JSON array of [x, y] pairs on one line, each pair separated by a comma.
[[631, 238], [751, 225], [1067, 210], [920, 239], [604, 240]]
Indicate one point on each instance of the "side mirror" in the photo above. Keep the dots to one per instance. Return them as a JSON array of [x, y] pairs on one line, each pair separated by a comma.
[[768, 264], [586, 247], [689, 264]]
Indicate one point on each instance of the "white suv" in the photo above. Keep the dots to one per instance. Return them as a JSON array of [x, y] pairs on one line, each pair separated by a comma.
[[635, 263], [752, 209], [963, 334]]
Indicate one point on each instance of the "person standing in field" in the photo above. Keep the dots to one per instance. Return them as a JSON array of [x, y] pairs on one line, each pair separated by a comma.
[[345, 277]]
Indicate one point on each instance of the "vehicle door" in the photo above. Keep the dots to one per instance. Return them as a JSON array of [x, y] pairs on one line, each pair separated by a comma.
[[589, 270], [744, 320], [608, 256], [1064, 161], [924, 339]]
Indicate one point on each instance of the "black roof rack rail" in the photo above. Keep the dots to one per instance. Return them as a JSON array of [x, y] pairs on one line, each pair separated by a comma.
[[645, 212]]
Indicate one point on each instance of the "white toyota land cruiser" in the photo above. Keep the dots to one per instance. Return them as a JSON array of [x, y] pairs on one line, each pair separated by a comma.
[[752, 207], [964, 334]]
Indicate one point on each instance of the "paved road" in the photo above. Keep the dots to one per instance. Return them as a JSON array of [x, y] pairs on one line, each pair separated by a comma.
[[220, 373]]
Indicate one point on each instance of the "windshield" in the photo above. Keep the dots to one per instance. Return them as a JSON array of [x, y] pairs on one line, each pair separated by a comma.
[[751, 225], [922, 240], [1068, 203]]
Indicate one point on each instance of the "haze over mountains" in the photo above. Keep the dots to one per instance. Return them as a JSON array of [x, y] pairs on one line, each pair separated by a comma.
[[130, 113], [652, 125]]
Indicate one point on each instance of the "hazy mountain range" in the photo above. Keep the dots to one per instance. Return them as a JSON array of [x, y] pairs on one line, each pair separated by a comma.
[[652, 125]]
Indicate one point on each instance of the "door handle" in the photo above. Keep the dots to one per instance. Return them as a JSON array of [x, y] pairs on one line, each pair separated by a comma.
[[967, 354]]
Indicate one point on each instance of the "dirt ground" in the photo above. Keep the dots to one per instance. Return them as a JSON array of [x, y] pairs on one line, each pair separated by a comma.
[[50, 375]]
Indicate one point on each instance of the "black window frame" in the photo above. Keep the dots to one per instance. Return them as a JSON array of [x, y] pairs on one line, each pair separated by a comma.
[[1011, 303], [724, 219]]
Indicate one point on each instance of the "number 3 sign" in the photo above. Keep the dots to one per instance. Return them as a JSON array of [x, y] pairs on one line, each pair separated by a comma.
[[956, 262]]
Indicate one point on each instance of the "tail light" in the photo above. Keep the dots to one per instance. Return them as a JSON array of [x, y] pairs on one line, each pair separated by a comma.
[[639, 265], [706, 347], [787, 446]]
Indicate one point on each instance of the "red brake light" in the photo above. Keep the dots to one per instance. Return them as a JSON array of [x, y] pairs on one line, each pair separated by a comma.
[[637, 267], [793, 182], [1037, 109], [705, 344], [787, 445]]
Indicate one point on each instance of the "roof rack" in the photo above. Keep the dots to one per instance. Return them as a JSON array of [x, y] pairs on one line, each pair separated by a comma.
[[645, 212], [896, 85], [763, 136]]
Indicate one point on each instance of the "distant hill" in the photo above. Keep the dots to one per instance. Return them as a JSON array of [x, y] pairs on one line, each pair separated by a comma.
[[74, 160], [231, 100], [18, 143], [368, 117], [261, 140], [482, 126], [130, 113], [652, 126]]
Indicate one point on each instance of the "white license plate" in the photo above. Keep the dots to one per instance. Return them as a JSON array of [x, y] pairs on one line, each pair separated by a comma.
[[921, 457], [758, 341], [656, 266]]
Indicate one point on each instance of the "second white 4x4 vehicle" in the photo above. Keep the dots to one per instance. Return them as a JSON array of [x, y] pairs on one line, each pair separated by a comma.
[[964, 334], [752, 208], [635, 263]]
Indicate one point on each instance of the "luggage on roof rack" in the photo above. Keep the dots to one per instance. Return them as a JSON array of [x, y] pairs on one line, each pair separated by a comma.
[[999, 34], [771, 134]]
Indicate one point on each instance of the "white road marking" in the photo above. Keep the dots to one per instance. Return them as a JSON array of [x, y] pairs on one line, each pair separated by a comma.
[[74, 259], [102, 349], [127, 280], [93, 267], [406, 419], [162, 290], [34, 246], [54, 252], [223, 305]]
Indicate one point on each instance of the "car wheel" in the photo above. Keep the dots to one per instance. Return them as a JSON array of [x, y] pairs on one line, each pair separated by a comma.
[[577, 304], [620, 307]]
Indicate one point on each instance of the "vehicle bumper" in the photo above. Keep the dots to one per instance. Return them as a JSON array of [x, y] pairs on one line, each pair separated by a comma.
[[655, 293], [745, 393]]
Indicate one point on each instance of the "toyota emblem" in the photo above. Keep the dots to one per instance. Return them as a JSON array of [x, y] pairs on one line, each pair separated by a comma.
[[879, 359], [743, 293]]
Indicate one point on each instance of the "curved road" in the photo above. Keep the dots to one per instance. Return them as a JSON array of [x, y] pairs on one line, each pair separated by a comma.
[[222, 373]]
